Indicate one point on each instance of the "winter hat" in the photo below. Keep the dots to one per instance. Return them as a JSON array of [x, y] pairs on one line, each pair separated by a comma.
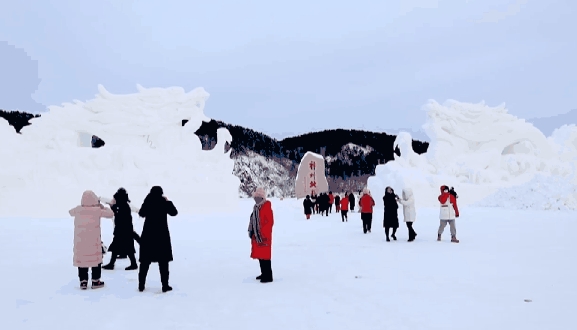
[[259, 192], [366, 191]]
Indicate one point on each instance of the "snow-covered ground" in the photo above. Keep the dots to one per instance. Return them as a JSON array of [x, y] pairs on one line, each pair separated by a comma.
[[328, 275]]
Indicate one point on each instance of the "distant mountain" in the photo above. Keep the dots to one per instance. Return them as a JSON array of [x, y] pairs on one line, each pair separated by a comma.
[[350, 155], [548, 124]]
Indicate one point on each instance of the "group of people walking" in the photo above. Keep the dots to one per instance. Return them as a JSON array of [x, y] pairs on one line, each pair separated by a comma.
[[449, 210], [155, 243]]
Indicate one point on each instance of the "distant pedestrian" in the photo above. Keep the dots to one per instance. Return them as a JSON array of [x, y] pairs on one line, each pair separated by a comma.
[[308, 207], [351, 202], [366, 206], [449, 212], [337, 203], [331, 201], [409, 211], [391, 218], [345, 208]]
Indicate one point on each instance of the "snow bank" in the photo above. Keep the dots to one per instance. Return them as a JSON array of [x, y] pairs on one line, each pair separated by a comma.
[[477, 149], [543, 192], [46, 169]]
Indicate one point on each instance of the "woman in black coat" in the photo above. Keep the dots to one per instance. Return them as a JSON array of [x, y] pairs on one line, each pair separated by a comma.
[[308, 206], [351, 202], [391, 218], [123, 241], [155, 244]]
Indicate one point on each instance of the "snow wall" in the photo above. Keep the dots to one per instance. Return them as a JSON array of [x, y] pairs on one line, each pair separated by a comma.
[[484, 152], [45, 169]]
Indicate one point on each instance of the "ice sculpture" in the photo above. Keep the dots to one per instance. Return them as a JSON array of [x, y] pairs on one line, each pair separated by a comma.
[[50, 164], [475, 148]]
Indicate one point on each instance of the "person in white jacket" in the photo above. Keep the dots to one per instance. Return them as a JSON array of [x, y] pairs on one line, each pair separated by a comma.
[[409, 211]]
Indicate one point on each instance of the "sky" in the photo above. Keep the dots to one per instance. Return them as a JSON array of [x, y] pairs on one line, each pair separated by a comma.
[[289, 67]]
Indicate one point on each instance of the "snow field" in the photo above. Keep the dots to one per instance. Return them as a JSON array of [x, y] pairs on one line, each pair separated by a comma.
[[328, 274]]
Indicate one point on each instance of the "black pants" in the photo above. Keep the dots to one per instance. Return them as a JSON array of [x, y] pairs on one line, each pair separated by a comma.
[[162, 267], [326, 210], [265, 269], [412, 233], [367, 221], [387, 231], [83, 273], [344, 215], [130, 256], [331, 208]]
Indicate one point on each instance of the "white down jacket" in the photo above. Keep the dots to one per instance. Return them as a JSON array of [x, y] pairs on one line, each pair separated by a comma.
[[408, 202]]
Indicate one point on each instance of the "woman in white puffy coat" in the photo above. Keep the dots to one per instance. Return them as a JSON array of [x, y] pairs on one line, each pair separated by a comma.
[[409, 211]]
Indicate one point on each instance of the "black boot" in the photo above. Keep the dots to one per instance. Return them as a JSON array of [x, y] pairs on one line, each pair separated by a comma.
[[267, 272], [110, 265], [260, 263], [164, 273], [142, 275], [133, 264]]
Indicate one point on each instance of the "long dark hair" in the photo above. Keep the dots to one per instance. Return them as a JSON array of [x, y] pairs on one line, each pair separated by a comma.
[[152, 200]]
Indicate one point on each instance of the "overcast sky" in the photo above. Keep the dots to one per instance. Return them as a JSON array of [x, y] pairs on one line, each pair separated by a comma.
[[288, 67]]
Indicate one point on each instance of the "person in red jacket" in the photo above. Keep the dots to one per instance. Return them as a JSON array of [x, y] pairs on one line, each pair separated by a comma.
[[331, 201], [260, 233], [449, 212], [345, 208], [366, 203]]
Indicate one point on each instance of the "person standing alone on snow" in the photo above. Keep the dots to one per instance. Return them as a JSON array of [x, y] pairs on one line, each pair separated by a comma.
[[391, 217], [155, 244], [366, 203], [308, 206], [409, 211], [123, 241], [345, 208], [260, 234], [449, 212], [87, 238], [337, 203]]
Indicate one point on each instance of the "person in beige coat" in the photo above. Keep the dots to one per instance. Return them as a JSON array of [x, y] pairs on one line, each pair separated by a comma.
[[409, 211], [87, 241]]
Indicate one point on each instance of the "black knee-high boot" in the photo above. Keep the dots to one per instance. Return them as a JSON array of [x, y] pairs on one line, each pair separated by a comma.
[[267, 272], [394, 232], [260, 263], [164, 273], [110, 265], [142, 275], [387, 233], [133, 264]]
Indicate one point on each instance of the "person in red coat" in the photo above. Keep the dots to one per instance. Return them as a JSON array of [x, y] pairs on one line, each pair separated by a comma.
[[345, 208], [260, 233], [331, 201], [366, 203]]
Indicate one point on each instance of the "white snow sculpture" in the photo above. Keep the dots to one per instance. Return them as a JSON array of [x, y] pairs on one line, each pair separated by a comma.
[[311, 175], [473, 147], [146, 145]]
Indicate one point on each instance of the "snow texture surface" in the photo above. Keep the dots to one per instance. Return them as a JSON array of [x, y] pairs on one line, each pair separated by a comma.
[[328, 275]]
